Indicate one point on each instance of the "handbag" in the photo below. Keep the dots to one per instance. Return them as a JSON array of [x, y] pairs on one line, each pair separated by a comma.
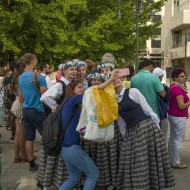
[[89, 120], [107, 105]]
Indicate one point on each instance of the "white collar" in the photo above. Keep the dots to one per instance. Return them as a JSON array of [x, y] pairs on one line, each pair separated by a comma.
[[120, 95], [122, 92], [65, 80]]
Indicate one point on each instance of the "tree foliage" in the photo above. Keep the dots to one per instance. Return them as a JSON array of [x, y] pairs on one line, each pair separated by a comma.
[[60, 29]]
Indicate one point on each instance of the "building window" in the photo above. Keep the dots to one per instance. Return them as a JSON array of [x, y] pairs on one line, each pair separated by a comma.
[[176, 2], [176, 7], [158, 31], [156, 18], [177, 39], [155, 43]]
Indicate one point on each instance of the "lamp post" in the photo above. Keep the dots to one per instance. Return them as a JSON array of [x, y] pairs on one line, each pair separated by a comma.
[[187, 38], [138, 8], [119, 14]]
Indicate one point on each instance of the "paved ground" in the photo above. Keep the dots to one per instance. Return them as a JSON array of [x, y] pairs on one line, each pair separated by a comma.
[[16, 176]]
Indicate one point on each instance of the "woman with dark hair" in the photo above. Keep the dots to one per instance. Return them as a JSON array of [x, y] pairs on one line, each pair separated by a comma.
[[143, 161], [76, 159], [73, 87], [19, 141], [177, 115]]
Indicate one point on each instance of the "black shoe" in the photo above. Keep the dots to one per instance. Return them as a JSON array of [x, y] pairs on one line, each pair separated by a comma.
[[111, 187], [34, 169], [40, 185], [11, 140]]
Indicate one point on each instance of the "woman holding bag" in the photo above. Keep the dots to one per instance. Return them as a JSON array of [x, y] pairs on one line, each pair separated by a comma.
[[143, 160], [76, 159]]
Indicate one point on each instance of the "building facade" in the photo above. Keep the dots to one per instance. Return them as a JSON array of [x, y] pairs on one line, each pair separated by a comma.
[[171, 48]]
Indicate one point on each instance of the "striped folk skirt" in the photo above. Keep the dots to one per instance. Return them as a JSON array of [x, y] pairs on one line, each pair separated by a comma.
[[99, 153], [52, 170], [114, 153], [144, 162]]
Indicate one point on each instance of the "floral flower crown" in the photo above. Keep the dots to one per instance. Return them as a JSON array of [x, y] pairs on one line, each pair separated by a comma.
[[68, 64], [81, 63], [96, 75], [102, 65]]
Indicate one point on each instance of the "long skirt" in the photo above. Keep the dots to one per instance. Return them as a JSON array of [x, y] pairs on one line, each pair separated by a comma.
[[99, 153], [103, 164], [52, 170], [144, 162], [114, 153]]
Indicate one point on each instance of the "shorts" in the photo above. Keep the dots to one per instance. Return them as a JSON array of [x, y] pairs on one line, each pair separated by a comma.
[[33, 120]]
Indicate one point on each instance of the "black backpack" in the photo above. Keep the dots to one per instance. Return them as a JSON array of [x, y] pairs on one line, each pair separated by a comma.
[[52, 132]]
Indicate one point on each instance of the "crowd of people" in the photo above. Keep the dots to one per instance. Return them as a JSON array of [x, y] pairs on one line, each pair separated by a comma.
[[151, 123]]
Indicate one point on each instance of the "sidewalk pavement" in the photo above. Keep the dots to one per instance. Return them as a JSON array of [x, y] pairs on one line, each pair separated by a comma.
[[17, 177]]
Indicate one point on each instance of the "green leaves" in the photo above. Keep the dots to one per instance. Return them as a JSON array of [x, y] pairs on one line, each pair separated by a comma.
[[60, 29]]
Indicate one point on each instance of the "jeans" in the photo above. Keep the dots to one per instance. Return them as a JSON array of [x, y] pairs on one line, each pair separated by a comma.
[[76, 160], [177, 135]]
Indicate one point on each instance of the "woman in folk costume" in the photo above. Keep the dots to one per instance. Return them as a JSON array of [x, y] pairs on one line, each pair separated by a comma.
[[104, 161], [89, 146], [105, 68], [143, 160], [81, 73], [52, 170], [99, 152]]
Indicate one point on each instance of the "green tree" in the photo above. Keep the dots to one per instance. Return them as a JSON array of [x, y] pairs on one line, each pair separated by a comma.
[[61, 29]]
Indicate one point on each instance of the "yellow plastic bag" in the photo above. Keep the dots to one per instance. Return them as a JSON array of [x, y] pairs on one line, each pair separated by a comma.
[[107, 105]]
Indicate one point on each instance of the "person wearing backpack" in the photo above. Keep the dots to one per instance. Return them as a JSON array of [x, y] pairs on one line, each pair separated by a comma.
[[31, 86], [75, 158], [53, 98]]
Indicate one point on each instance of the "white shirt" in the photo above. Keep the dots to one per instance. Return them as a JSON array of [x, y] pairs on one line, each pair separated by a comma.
[[85, 84], [48, 80], [54, 92], [137, 97]]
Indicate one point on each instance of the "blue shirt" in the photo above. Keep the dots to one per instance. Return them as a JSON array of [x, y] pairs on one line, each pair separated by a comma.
[[29, 91], [71, 137]]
